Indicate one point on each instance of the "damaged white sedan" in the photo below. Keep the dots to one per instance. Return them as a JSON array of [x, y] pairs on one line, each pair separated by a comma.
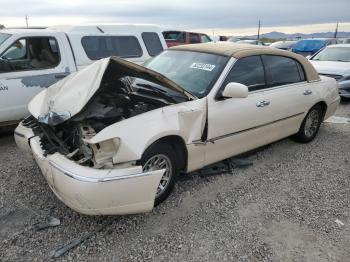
[[111, 138]]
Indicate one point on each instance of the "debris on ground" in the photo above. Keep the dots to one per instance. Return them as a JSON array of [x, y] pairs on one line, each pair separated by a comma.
[[77, 241], [51, 222], [225, 166], [339, 223]]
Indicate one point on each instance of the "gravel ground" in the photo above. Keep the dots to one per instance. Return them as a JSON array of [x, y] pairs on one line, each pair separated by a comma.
[[282, 208]]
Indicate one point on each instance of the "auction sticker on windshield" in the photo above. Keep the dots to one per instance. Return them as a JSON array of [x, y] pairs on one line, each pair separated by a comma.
[[202, 66]]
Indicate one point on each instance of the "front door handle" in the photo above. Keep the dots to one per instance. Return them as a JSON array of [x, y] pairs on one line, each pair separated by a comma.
[[263, 103], [307, 92], [62, 75]]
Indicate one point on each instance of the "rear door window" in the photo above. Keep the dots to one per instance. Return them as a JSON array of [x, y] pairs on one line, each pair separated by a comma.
[[97, 47], [283, 70], [248, 71], [152, 43]]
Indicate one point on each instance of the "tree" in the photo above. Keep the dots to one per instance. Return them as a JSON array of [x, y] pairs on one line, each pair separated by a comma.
[[2, 26]]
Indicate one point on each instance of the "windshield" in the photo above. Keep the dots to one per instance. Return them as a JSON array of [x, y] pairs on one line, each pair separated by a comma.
[[3, 37], [309, 45], [194, 71], [341, 54]]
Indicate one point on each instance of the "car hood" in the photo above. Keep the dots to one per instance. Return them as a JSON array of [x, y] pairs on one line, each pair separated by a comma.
[[68, 96], [331, 67]]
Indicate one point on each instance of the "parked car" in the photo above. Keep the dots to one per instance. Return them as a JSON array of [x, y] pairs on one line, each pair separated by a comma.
[[111, 138], [250, 42], [284, 45], [174, 38], [307, 47], [233, 39], [33, 59], [334, 61]]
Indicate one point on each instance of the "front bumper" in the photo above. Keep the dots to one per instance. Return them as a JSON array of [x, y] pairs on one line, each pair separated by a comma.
[[92, 191]]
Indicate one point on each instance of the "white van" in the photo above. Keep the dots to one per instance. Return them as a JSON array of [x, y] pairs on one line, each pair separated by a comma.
[[33, 59]]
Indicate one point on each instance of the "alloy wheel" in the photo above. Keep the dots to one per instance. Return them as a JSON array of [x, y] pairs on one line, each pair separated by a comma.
[[158, 162]]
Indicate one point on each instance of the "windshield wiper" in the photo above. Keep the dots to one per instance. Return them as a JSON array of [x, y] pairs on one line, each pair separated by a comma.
[[161, 92]]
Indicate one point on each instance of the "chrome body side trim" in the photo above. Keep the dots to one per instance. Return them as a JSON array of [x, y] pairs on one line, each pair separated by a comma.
[[96, 179], [212, 140]]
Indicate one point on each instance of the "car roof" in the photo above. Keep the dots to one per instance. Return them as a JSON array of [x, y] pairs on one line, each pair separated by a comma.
[[338, 45], [87, 29], [316, 39], [237, 51]]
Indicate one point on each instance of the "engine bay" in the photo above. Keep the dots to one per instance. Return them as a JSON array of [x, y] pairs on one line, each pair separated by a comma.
[[112, 103]]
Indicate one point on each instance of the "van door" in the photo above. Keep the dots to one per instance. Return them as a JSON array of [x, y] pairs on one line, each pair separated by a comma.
[[28, 65]]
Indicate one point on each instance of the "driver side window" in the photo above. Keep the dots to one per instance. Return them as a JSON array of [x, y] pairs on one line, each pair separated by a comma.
[[32, 53]]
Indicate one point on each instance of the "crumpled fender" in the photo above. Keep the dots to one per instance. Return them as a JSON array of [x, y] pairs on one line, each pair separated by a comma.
[[186, 120]]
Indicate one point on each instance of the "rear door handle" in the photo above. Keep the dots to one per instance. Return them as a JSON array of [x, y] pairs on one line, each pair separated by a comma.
[[307, 92], [263, 103]]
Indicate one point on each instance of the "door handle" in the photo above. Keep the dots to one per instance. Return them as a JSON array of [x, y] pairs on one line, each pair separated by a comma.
[[263, 103], [59, 76], [307, 92]]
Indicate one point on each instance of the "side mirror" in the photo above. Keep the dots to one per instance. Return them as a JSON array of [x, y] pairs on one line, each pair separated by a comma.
[[308, 57], [235, 90]]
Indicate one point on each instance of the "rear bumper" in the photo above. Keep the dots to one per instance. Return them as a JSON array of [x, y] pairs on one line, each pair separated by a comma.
[[332, 107], [93, 191]]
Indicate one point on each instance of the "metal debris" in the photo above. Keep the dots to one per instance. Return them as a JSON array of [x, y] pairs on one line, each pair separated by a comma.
[[339, 223], [225, 166], [51, 222], [77, 241]]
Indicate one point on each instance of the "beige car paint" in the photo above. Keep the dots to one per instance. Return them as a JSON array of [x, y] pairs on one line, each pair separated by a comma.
[[235, 125]]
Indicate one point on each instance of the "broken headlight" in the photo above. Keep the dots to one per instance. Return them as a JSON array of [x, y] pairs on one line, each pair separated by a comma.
[[103, 152]]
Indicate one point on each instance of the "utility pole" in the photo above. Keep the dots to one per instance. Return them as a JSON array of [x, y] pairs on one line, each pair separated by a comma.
[[259, 30], [336, 31], [26, 18]]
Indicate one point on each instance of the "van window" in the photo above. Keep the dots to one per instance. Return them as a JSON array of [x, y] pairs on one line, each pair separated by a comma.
[[97, 47], [32, 53], [194, 38], [152, 43], [283, 70], [205, 39]]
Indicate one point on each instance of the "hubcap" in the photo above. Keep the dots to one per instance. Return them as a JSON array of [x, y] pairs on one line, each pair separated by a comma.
[[158, 162], [311, 124]]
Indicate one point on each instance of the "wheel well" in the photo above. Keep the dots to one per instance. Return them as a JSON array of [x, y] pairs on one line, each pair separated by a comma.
[[179, 146], [324, 108]]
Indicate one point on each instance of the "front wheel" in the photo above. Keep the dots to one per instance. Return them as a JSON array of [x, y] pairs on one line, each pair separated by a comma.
[[161, 156], [310, 125]]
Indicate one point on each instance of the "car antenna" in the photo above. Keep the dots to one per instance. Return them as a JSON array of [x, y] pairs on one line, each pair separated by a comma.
[[99, 29]]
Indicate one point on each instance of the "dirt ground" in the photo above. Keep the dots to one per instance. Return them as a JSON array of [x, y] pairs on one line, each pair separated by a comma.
[[292, 204]]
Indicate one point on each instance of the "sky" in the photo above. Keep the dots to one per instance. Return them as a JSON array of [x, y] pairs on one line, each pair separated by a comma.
[[210, 16]]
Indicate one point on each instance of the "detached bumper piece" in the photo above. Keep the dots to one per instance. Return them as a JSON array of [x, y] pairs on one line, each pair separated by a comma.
[[92, 191]]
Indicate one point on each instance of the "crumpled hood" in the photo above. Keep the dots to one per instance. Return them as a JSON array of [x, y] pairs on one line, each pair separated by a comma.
[[71, 94], [331, 67]]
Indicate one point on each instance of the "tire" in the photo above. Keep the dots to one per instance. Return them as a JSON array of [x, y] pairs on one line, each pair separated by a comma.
[[310, 125], [161, 156]]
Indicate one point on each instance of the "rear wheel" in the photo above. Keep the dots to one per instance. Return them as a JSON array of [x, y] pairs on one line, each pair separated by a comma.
[[161, 156], [310, 125]]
